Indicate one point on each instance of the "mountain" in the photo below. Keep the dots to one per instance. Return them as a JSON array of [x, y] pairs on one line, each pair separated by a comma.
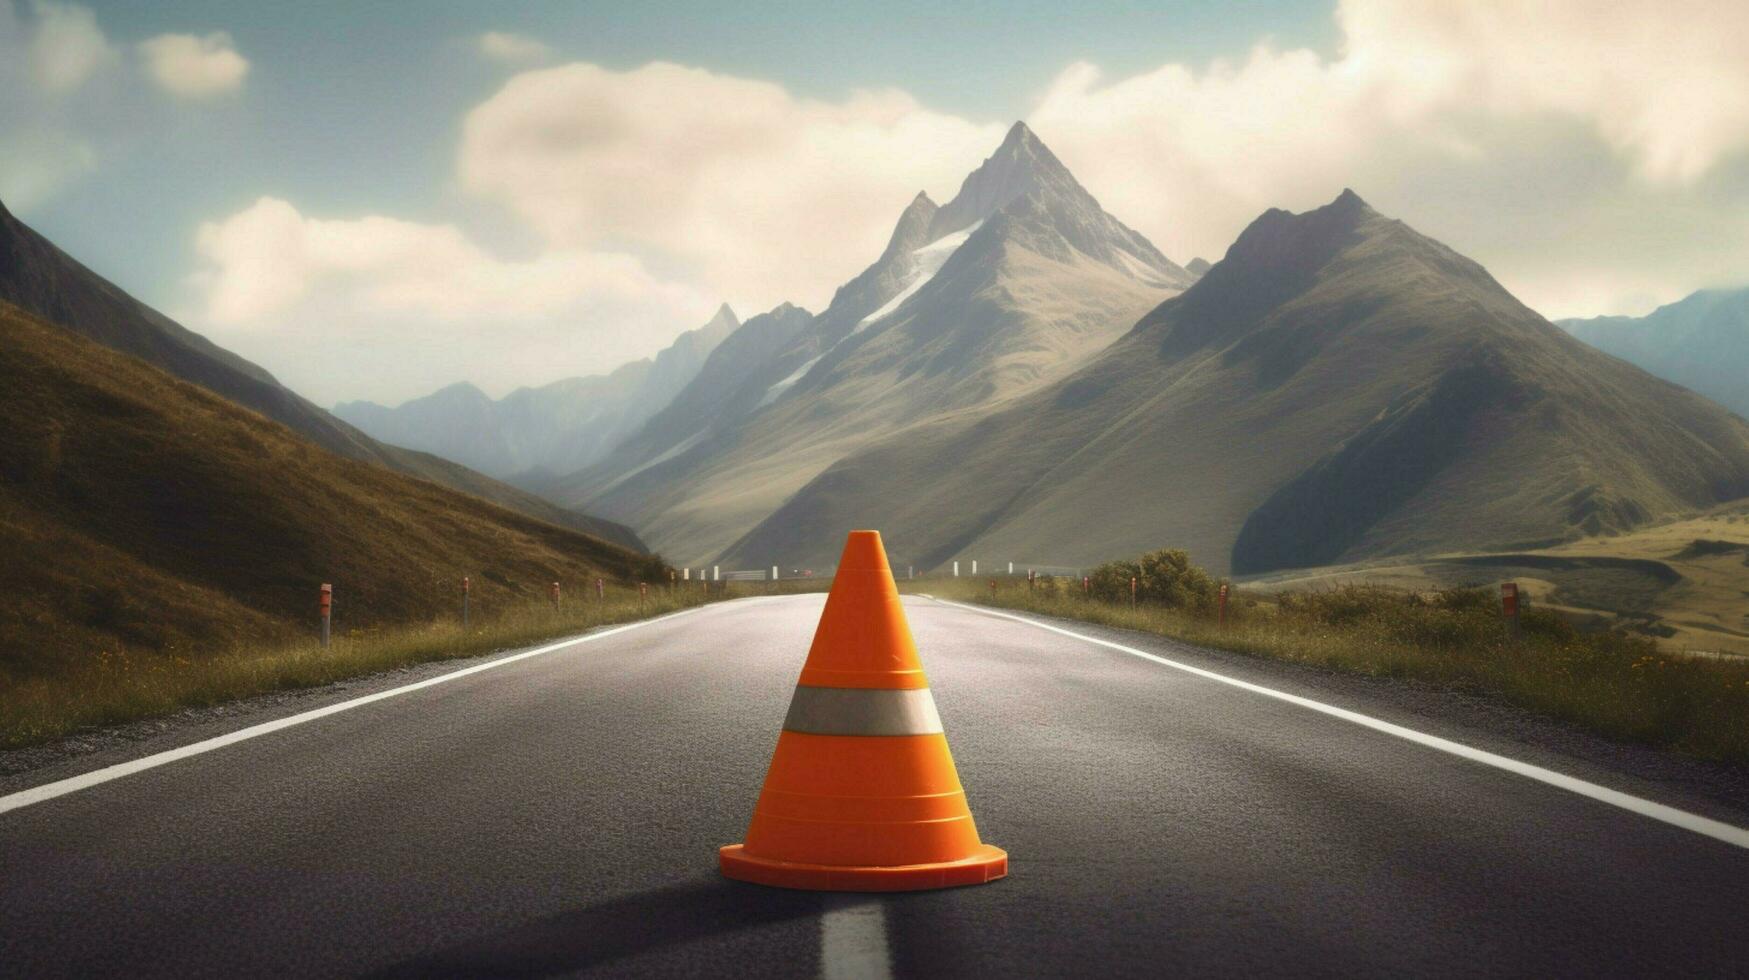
[[142, 512], [1197, 266], [1338, 386], [41, 279], [1015, 282], [1701, 342], [559, 427]]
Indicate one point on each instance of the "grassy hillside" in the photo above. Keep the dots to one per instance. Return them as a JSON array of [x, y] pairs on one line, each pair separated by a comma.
[[1338, 387], [39, 278], [1683, 582], [143, 514]]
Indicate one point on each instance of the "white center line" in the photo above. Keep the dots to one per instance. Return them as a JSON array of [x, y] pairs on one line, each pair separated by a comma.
[[853, 938], [72, 784], [1718, 830]]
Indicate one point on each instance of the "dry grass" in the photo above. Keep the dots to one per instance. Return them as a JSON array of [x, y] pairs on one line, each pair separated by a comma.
[[1618, 685], [1684, 581], [115, 688]]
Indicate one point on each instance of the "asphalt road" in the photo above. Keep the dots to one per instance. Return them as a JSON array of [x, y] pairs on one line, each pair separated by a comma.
[[561, 813]]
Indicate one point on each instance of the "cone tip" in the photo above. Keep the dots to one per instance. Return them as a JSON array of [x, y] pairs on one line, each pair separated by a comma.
[[863, 550]]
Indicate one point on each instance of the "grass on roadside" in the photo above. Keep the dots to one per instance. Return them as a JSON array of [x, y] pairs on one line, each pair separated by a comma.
[[112, 689], [1618, 685]]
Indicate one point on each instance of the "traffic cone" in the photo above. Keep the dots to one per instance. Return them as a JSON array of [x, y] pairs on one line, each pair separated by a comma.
[[862, 794]]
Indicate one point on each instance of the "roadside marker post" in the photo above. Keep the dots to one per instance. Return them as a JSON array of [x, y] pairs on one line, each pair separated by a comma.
[[1221, 621], [774, 573], [1031, 579], [974, 567], [466, 585], [327, 606], [555, 592], [643, 592], [600, 589], [716, 573], [1509, 609], [992, 588], [1086, 586], [1132, 592], [1010, 568], [686, 574], [956, 569]]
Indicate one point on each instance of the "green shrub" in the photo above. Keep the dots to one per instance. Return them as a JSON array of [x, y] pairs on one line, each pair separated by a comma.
[[1163, 578]]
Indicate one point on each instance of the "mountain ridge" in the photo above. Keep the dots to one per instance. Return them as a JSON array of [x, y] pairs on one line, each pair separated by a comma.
[[1023, 277], [1700, 341], [561, 426], [1295, 370]]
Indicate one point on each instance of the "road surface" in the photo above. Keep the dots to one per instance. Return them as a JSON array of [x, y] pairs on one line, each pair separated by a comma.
[[561, 813]]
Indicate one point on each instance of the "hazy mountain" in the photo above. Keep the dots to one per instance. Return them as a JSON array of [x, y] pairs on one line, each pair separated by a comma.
[[1197, 267], [41, 279], [139, 512], [1701, 342], [559, 427], [1337, 386], [1012, 284]]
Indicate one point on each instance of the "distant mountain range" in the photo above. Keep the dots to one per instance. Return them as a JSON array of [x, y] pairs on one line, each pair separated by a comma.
[[1338, 386], [557, 428], [1020, 376], [39, 278], [1701, 342], [1012, 284]]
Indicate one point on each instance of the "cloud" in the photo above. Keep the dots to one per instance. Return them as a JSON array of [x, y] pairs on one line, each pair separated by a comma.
[[380, 289], [512, 48], [763, 195], [194, 67], [1511, 130], [66, 48]]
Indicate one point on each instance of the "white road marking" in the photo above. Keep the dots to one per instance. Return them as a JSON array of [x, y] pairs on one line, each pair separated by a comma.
[[853, 938], [73, 784], [1715, 829]]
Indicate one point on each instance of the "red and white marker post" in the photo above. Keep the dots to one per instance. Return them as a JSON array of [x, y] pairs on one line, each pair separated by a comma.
[[1509, 609], [467, 585], [1132, 592], [1222, 618], [600, 589], [554, 588], [327, 603]]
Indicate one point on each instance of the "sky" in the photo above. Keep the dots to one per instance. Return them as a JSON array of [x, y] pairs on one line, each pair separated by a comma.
[[374, 200]]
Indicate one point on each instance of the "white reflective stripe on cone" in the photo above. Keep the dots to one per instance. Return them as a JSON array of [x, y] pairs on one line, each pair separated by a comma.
[[862, 711]]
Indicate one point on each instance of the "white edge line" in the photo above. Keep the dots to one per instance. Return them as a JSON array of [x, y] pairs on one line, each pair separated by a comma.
[[853, 938], [73, 784], [1718, 830]]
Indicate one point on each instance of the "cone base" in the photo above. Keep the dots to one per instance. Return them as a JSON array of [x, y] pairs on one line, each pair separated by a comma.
[[986, 864]]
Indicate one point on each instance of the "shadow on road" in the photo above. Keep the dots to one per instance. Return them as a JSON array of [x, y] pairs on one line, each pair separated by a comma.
[[615, 929]]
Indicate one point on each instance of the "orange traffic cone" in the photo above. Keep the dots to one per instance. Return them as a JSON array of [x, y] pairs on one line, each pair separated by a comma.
[[862, 794]]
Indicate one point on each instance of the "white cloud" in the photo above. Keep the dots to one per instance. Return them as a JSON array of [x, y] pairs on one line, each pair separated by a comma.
[[67, 47], [194, 67], [1511, 130], [512, 48], [767, 196], [415, 306]]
